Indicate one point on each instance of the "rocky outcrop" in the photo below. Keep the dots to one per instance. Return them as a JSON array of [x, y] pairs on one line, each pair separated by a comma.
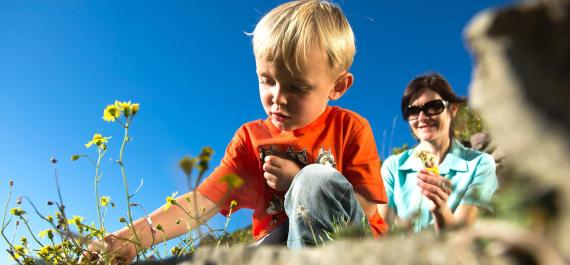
[[521, 87]]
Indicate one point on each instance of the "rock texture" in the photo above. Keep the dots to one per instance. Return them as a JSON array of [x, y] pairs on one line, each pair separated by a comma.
[[521, 87]]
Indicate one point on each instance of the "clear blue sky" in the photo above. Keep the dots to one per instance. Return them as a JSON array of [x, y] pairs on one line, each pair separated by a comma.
[[190, 66]]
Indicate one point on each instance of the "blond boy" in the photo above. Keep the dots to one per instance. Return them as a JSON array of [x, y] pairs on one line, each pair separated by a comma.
[[308, 165]]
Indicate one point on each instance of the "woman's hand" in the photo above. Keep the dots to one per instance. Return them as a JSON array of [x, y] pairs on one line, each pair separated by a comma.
[[279, 172], [436, 188]]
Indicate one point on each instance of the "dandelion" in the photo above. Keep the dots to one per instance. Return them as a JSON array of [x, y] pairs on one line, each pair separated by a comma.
[[99, 141], [17, 211], [105, 200], [233, 181], [170, 200], [111, 113]]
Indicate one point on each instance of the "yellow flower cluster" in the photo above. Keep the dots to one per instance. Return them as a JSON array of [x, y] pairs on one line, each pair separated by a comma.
[[428, 160], [114, 111]]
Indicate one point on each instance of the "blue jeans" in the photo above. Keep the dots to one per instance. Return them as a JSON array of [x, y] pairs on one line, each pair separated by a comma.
[[318, 197]]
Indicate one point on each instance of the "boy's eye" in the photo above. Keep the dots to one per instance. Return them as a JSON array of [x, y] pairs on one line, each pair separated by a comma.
[[266, 81], [300, 89]]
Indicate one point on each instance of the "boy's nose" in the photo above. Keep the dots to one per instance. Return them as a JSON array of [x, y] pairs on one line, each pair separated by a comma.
[[279, 95]]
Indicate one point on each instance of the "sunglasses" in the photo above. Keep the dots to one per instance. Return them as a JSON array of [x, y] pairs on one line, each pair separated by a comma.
[[430, 108]]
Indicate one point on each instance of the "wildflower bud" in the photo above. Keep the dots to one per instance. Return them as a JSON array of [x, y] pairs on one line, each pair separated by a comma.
[[11, 183], [74, 157], [233, 204], [134, 204], [159, 227], [17, 222], [134, 108], [49, 203], [19, 201], [49, 218], [53, 160], [186, 164], [122, 220], [178, 221]]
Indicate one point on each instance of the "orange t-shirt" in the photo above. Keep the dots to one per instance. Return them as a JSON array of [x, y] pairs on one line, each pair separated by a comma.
[[338, 137]]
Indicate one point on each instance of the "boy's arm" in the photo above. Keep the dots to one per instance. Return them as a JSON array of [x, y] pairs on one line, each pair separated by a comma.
[[369, 207], [191, 213]]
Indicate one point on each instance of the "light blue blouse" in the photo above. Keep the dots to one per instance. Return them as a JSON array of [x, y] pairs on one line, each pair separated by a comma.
[[472, 175]]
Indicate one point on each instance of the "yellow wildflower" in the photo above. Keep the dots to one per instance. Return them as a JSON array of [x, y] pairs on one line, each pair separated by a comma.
[[428, 160], [170, 200], [49, 218], [99, 141], [47, 232], [111, 113], [233, 204], [105, 200], [233, 181], [19, 251], [17, 211], [124, 107], [75, 220]]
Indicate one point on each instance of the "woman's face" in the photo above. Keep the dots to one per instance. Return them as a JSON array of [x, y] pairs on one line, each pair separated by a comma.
[[431, 128]]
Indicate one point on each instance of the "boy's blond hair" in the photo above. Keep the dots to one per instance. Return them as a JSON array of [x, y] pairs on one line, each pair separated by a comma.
[[290, 30]]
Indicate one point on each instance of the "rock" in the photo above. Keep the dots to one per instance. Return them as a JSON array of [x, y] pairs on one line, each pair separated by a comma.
[[521, 87]]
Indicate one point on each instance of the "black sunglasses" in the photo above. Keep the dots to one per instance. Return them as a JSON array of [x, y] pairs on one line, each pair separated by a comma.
[[430, 108]]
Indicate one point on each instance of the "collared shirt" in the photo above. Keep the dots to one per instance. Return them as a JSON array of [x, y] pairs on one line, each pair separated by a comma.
[[472, 175]]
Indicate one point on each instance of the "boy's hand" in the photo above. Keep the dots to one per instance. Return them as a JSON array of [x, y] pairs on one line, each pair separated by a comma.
[[279, 172], [121, 252]]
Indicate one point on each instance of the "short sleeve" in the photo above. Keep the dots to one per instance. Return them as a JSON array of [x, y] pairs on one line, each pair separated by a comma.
[[389, 169], [484, 184], [362, 169], [218, 187]]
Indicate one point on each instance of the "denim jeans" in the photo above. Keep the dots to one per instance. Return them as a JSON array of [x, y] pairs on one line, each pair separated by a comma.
[[318, 197]]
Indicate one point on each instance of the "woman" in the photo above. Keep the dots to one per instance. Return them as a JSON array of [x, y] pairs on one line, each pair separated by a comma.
[[453, 182]]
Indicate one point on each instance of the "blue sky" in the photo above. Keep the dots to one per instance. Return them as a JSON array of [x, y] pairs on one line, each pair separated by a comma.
[[190, 66]]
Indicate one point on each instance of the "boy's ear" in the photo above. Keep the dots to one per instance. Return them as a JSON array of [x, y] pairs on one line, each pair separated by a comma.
[[343, 83]]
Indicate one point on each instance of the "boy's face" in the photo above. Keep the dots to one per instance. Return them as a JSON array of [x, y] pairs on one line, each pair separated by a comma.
[[293, 100]]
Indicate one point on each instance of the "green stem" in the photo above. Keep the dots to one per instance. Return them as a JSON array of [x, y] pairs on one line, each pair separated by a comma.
[[121, 165], [97, 199], [31, 232], [4, 220]]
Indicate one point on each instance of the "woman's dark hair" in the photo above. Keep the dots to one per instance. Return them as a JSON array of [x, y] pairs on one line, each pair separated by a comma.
[[431, 81], [434, 82]]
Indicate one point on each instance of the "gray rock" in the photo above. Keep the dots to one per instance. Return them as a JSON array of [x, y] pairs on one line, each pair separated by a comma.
[[521, 87]]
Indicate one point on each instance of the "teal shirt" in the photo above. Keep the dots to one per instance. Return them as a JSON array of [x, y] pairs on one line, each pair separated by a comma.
[[472, 175]]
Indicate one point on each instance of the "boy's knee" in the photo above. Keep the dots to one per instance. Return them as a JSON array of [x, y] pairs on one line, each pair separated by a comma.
[[316, 178]]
